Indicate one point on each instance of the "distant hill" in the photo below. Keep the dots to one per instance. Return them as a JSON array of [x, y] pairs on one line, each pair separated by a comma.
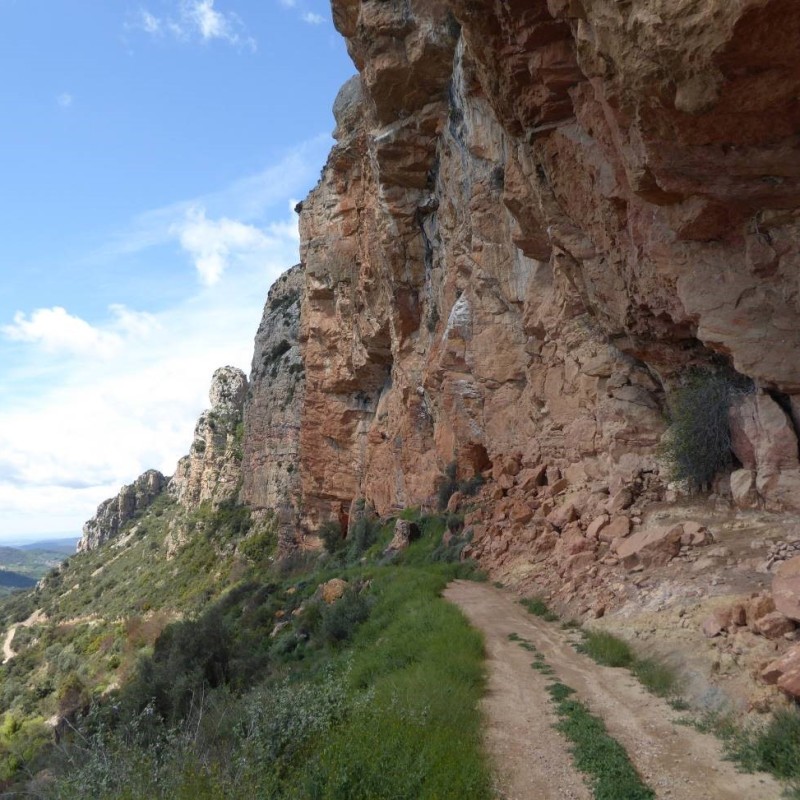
[[66, 546], [13, 580], [32, 562]]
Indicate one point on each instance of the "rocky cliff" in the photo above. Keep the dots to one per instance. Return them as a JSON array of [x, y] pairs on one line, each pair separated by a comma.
[[132, 501], [271, 469], [535, 218], [213, 469]]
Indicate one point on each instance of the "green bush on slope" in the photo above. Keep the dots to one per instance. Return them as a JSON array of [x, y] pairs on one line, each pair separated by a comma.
[[374, 696]]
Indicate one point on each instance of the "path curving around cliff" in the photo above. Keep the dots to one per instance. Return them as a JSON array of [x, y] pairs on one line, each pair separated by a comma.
[[8, 651], [532, 760]]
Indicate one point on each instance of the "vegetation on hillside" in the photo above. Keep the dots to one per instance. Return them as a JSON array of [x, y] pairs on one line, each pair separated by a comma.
[[203, 667]]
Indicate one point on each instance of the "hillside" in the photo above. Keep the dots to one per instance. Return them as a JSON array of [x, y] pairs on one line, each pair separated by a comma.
[[545, 325]]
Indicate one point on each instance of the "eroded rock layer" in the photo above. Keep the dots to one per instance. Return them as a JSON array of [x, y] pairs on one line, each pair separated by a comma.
[[536, 215]]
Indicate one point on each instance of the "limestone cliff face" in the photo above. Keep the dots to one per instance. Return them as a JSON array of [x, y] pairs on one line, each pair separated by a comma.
[[213, 469], [271, 471], [112, 514], [535, 217]]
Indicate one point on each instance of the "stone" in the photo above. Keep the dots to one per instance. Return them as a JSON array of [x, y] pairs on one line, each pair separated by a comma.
[[596, 526], [784, 672], [213, 469], [773, 625], [786, 588], [652, 547], [563, 515], [617, 528], [332, 590], [405, 532], [743, 489], [716, 623]]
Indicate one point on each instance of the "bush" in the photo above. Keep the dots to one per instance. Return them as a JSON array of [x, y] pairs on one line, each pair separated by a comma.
[[697, 444], [340, 620], [332, 537], [448, 486]]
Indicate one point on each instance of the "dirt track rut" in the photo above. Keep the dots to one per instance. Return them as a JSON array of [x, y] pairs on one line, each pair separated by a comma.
[[532, 760]]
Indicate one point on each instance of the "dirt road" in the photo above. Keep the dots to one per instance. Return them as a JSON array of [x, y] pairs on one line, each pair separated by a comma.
[[8, 651], [532, 760]]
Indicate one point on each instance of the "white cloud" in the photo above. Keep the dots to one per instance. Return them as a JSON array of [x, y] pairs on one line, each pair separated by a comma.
[[196, 20], [65, 100], [55, 330], [313, 19], [87, 404], [150, 23], [212, 244]]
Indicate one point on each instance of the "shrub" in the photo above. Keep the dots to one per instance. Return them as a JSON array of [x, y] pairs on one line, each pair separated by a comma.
[[332, 537], [363, 535], [448, 486], [340, 620], [775, 748], [697, 444]]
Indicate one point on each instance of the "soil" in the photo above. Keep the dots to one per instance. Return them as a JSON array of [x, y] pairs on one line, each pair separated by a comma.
[[532, 760]]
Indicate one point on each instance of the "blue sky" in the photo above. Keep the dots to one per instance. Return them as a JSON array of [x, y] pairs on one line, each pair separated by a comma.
[[151, 153]]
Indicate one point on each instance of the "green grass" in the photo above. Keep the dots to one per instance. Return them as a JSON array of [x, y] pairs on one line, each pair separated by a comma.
[[419, 735], [596, 753], [394, 714], [611, 651], [538, 607], [772, 747]]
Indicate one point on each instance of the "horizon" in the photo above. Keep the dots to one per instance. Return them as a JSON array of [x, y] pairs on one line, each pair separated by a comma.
[[157, 152]]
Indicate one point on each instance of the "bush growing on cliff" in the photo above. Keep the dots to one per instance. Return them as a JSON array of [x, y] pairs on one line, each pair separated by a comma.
[[697, 444]]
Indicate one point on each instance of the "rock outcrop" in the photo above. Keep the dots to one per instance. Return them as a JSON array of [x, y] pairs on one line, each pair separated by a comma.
[[113, 514], [213, 469], [270, 467], [535, 217]]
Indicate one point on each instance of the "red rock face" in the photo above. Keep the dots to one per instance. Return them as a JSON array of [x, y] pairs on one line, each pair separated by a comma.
[[536, 215]]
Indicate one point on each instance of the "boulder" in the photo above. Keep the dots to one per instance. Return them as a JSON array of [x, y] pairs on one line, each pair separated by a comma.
[[773, 625], [743, 489], [785, 672], [405, 532], [786, 588], [332, 591], [654, 547], [618, 528], [596, 526], [758, 606]]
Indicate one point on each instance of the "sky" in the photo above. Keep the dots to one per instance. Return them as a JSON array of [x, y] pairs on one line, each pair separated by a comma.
[[151, 154]]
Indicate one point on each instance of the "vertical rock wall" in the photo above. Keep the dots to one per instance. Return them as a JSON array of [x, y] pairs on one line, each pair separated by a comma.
[[270, 469], [535, 217]]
